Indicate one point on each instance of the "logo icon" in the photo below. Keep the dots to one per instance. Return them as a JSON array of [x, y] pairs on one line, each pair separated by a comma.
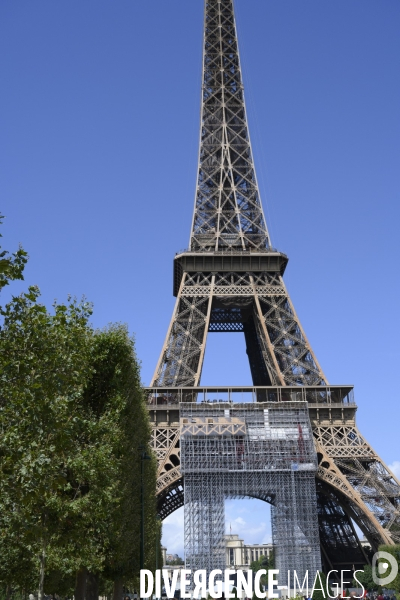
[[386, 570]]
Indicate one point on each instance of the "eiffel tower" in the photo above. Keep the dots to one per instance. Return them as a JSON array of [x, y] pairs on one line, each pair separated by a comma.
[[230, 280]]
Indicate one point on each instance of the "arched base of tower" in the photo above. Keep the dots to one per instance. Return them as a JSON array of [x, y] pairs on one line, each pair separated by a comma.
[[170, 499], [340, 545]]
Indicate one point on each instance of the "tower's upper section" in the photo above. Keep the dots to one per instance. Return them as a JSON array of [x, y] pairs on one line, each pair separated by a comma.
[[228, 212]]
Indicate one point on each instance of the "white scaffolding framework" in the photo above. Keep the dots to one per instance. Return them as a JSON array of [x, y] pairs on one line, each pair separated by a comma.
[[262, 450]]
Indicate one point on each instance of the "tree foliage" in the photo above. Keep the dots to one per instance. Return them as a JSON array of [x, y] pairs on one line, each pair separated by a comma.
[[264, 562], [176, 561], [365, 578], [394, 551], [44, 360], [11, 265], [72, 418], [114, 403]]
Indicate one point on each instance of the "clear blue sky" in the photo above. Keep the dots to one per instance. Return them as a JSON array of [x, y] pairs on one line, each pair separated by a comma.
[[99, 117]]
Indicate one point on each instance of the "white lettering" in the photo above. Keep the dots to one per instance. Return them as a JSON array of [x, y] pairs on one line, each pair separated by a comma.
[[271, 582], [321, 589], [158, 583], [218, 584], [257, 589], [342, 581], [184, 583], [245, 585], [359, 582], [228, 582], [170, 588], [200, 581], [334, 585], [301, 587], [146, 593]]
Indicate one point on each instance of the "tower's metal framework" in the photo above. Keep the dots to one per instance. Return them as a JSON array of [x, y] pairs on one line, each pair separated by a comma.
[[230, 279]]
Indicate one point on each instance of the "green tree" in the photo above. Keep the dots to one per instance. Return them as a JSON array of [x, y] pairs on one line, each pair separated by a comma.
[[44, 362], [395, 552], [176, 561], [11, 265], [11, 269], [365, 578], [114, 404], [72, 418], [264, 562]]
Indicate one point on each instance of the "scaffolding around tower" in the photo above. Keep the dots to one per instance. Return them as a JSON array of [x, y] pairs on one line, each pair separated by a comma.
[[261, 450]]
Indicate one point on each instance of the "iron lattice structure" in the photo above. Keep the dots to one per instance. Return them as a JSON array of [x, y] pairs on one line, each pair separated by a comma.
[[259, 449], [230, 279]]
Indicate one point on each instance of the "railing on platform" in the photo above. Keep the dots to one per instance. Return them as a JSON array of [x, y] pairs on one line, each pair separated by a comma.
[[230, 251], [333, 394]]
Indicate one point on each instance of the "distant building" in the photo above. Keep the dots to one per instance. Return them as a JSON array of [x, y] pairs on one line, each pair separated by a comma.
[[239, 555], [171, 556]]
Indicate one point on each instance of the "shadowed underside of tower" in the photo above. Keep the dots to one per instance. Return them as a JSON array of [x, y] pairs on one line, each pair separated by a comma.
[[230, 279]]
